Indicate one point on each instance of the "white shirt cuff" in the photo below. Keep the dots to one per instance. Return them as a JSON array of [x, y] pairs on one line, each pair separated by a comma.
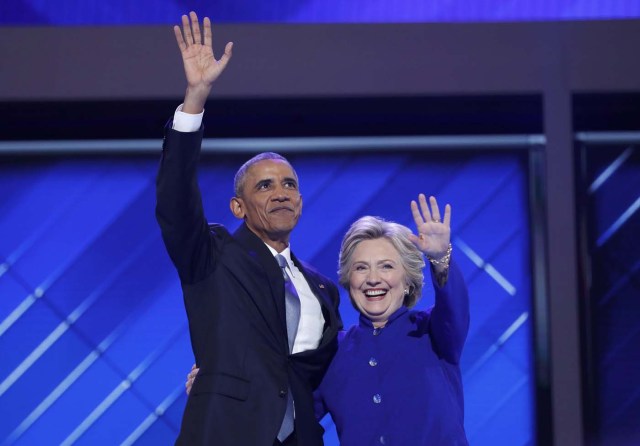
[[186, 122]]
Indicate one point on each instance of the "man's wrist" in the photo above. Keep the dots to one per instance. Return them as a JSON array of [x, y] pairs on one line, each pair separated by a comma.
[[195, 98]]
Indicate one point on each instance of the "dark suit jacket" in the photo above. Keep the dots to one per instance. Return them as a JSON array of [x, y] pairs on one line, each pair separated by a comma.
[[233, 291]]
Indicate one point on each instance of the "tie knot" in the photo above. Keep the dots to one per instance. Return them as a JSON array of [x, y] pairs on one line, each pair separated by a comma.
[[281, 261], [283, 264]]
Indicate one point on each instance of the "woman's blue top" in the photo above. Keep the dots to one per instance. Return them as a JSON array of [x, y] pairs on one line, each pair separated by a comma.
[[401, 384]]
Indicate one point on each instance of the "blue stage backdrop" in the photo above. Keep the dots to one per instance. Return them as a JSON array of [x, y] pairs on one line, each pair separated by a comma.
[[612, 309], [123, 12], [93, 335]]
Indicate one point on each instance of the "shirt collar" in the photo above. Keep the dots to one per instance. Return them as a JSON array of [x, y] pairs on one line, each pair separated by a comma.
[[286, 253], [366, 322]]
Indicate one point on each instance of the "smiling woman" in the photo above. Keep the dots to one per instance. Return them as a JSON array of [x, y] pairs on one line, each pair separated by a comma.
[[377, 281], [396, 363]]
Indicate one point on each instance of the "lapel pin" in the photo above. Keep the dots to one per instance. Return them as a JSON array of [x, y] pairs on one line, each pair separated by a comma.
[[321, 286]]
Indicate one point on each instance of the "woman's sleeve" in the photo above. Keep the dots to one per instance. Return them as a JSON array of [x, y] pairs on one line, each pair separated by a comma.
[[449, 319]]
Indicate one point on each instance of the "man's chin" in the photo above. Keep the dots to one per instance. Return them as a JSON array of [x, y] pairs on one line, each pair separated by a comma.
[[281, 230], [285, 224]]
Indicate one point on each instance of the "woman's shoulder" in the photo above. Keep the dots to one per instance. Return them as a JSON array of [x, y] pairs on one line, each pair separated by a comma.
[[345, 334], [419, 318], [416, 315]]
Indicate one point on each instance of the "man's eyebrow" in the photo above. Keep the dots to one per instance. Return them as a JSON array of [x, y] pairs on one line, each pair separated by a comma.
[[266, 181], [291, 179]]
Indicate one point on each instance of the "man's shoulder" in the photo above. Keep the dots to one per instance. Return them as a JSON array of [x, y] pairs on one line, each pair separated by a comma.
[[218, 228], [312, 271], [220, 232]]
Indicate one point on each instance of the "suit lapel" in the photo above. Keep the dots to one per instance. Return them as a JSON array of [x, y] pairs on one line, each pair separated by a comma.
[[272, 274], [318, 288], [321, 292]]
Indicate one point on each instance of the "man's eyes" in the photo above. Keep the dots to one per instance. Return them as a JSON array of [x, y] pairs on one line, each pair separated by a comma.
[[269, 185]]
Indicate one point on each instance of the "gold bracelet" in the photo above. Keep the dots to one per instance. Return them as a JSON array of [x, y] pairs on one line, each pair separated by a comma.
[[444, 260]]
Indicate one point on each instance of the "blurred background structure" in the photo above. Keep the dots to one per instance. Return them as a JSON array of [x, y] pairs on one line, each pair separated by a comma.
[[525, 116]]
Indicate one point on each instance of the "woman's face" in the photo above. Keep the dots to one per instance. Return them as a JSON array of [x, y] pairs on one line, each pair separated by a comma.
[[377, 280]]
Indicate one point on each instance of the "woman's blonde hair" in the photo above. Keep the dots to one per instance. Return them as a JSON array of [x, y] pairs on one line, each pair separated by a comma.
[[372, 228]]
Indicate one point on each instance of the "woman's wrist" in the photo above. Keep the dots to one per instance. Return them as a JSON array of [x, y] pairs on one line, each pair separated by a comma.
[[442, 261], [440, 266]]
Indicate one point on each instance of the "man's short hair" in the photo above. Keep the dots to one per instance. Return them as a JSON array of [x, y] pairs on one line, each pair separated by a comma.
[[239, 179]]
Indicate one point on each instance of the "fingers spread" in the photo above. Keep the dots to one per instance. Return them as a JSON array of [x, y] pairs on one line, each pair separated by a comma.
[[424, 207], [228, 51], [435, 211], [447, 215], [195, 26], [208, 38], [178, 32], [429, 211], [186, 29], [417, 217]]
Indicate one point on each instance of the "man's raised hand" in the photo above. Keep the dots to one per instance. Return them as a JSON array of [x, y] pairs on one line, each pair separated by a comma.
[[200, 65]]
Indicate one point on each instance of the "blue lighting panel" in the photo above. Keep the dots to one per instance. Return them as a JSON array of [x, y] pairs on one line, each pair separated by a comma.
[[101, 354], [122, 12]]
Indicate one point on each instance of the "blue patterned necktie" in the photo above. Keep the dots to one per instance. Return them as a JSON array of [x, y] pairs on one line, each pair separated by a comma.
[[291, 302], [292, 311]]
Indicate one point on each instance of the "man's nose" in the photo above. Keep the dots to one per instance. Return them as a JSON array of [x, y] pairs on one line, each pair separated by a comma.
[[281, 194]]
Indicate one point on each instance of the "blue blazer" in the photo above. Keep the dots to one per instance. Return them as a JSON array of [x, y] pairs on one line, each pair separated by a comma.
[[233, 292]]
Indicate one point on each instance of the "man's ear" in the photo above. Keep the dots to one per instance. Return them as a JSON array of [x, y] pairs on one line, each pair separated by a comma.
[[237, 207]]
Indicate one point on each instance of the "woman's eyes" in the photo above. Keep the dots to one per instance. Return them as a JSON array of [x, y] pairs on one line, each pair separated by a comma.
[[384, 266]]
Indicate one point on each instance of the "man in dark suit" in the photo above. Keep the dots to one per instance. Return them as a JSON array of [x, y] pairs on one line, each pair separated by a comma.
[[256, 374]]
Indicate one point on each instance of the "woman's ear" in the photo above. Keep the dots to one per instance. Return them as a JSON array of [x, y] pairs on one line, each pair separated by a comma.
[[237, 207]]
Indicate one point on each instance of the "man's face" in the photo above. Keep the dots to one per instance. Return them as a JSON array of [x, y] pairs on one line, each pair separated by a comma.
[[271, 202]]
